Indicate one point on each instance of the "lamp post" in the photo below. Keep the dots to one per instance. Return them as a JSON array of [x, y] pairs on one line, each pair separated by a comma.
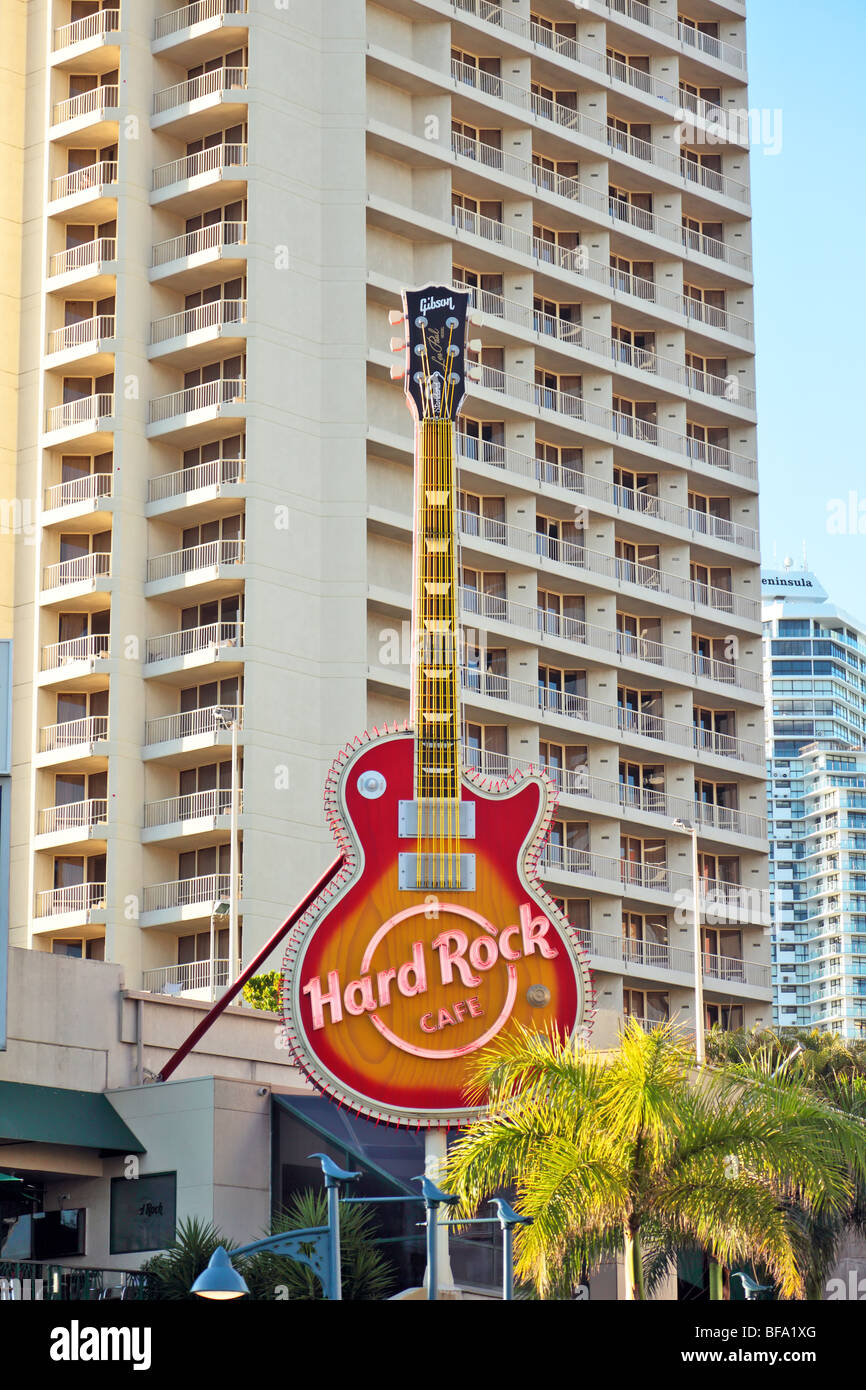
[[689, 828], [220, 908], [226, 717]]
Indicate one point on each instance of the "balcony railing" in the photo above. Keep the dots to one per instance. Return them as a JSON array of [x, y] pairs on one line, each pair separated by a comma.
[[224, 79], [745, 904], [79, 897], [82, 569], [93, 26], [573, 52], [76, 815], [619, 142], [195, 557], [197, 13], [665, 23], [58, 654], [173, 645], [86, 333], [578, 556], [73, 733], [91, 253], [87, 488], [588, 340], [215, 315], [193, 723], [658, 955], [193, 806], [97, 99], [616, 717], [208, 396], [82, 180], [181, 979], [625, 499], [188, 892], [549, 181], [212, 238], [190, 166], [577, 263], [624, 426], [204, 475], [87, 411]]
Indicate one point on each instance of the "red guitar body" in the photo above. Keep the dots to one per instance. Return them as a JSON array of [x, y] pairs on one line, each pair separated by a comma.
[[407, 985]]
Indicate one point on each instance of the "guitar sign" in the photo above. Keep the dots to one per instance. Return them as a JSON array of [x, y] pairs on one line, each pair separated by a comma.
[[437, 934]]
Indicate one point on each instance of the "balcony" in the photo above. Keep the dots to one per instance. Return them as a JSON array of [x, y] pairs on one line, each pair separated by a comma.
[[625, 501], [86, 651], [596, 65], [577, 264], [197, 407], [74, 821], [83, 571], [628, 431], [187, 258], [663, 160], [92, 415], [719, 901], [604, 642], [193, 978], [629, 726], [93, 29], [202, 16], [95, 112], [625, 358], [652, 958], [93, 260], [88, 185], [74, 741], [196, 727], [199, 816], [196, 646], [214, 567], [181, 180], [609, 209], [578, 784], [186, 486], [91, 338], [82, 493], [183, 337], [198, 96], [715, 50], [572, 555], [80, 900], [185, 899]]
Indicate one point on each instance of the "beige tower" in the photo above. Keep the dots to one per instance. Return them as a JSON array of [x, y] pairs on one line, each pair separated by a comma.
[[221, 203]]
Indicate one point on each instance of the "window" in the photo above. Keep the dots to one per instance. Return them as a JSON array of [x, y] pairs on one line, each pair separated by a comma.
[[707, 305], [476, 71], [711, 585], [636, 347], [642, 785], [555, 175], [562, 690], [554, 104], [645, 938], [477, 142], [482, 439], [726, 1016], [486, 670], [559, 464], [647, 1005], [637, 419], [562, 615], [482, 516], [637, 564], [629, 67], [219, 461], [479, 216], [483, 591], [559, 391], [557, 320], [640, 711], [643, 862], [556, 246], [486, 749], [234, 136], [636, 491], [486, 288], [565, 764], [632, 277], [638, 635], [630, 206], [631, 137], [559, 540]]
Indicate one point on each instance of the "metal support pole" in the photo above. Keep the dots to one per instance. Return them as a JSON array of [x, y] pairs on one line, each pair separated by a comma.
[[234, 945], [698, 949], [335, 1273], [507, 1262], [212, 955], [432, 1264]]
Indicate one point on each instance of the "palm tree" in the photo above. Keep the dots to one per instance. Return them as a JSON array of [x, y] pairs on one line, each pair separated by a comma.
[[631, 1152], [366, 1273]]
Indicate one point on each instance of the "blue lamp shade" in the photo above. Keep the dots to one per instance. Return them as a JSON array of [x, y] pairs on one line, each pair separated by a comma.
[[220, 1279]]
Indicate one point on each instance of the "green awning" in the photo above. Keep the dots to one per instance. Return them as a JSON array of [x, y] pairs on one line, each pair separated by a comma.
[[48, 1115]]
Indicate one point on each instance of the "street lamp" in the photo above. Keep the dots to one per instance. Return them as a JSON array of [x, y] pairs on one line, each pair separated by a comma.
[[227, 717], [689, 828], [221, 907]]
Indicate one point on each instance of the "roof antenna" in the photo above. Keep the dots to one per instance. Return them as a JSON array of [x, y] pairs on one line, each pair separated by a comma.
[[805, 561]]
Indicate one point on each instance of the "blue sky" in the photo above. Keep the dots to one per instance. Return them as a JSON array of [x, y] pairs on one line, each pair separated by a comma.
[[808, 239]]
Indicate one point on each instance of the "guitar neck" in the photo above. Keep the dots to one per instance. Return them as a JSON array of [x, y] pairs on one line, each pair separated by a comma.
[[436, 683]]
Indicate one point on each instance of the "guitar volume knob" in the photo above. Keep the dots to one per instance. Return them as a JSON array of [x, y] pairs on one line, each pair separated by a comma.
[[371, 785]]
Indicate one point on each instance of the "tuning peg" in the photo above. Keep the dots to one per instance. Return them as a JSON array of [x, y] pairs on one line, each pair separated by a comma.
[[473, 374], [474, 344], [475, 317], [397, 372], [398, 344], [395, 316]]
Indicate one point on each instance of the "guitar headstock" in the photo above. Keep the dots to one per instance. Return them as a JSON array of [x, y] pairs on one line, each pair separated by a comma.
[[434, 343]]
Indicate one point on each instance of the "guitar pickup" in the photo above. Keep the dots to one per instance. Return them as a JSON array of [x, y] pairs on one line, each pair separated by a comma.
[[437, 818], [453, 873]]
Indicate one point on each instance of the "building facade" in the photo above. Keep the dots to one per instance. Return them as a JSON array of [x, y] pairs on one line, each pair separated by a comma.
[[814, 664], [220, 204]]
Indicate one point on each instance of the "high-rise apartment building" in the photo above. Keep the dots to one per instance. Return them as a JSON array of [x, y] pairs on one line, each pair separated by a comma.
[[221, 203], [815, 682]]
